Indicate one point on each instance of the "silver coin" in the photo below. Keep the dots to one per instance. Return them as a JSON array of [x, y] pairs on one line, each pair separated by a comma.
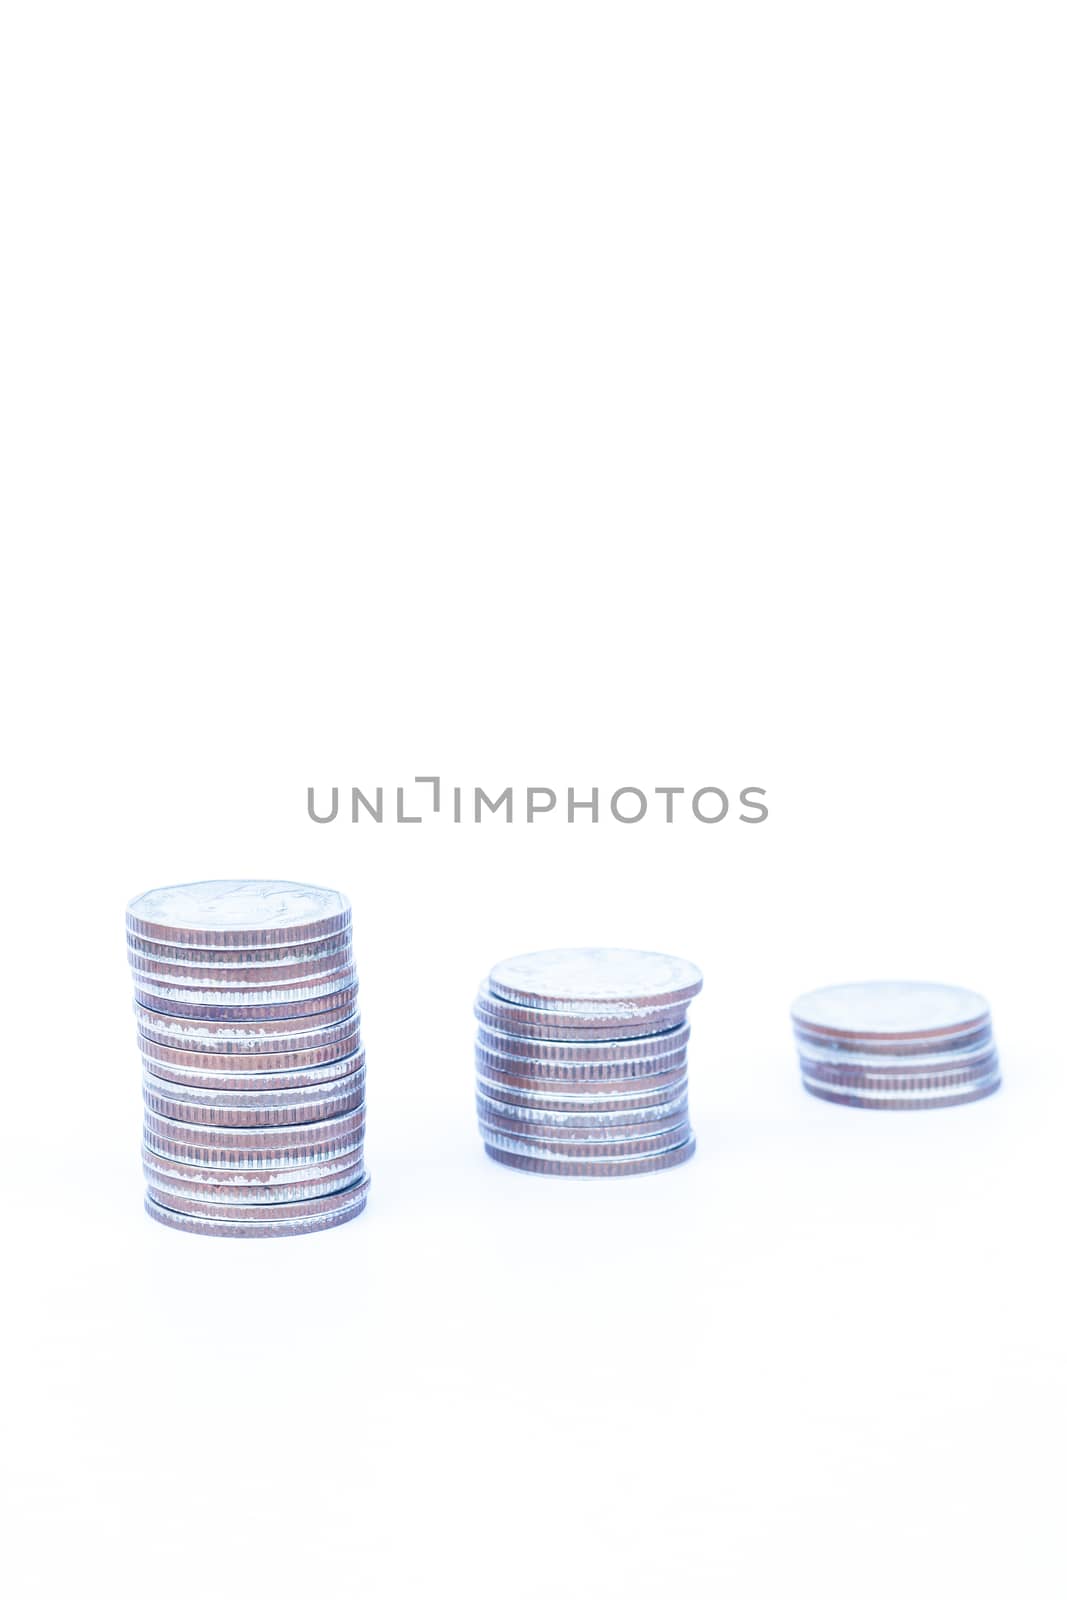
[[275, 1211], [238, 914], [337, 948], [913, 1060], [584, 1146], [344, 1152], [596, 980], [289, 1011], [250, 1181], [620, 1122], [247, 993], [183, 1197], [276, 980], [897, 1082], [904, 1097], [613, 1072], [226, 1108], [621, 1168], [273, 1036], [582, 1098], [346, 1126], [345, 1040], [892, 1050], [871, 1011], [268, 1229], [572, 1026], [245, 1082], [268, 1148], [585, 1050], [175, 1192], [608, 1090]]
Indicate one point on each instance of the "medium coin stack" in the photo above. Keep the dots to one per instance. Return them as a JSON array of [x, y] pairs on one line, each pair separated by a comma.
[[245, 995], [896, 1046], [581, 1061]]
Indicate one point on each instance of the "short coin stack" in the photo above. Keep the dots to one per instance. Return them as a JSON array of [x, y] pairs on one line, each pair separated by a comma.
[[249, 1029], [896, 1046], [581, 1060]]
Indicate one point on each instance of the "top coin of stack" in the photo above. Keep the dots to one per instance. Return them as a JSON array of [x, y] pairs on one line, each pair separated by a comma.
[[245, 994], [896, 1046], [581, 1061]]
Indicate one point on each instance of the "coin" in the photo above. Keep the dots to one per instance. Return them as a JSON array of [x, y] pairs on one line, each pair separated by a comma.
[[563, 1168], [953, 1069], [174, 1192], [631, 1048], [275, 1228], [621, 1121], [242, 1080], [248, 1181], [890, 1011], [212, 1012], [610, 982], [271, 976], [896, 1046], [219, 1158], [895, 1049], [581, 1060], [277, 1036], [904, 1096], [346, 1126], [262, 957], [551, 1096], [245, 995], [881, 1059], [899, 1080], [275, 1211], [585, 1145], [608, 1093], [607, 1072], [225, 1108], [238, 914], [573, 1026]]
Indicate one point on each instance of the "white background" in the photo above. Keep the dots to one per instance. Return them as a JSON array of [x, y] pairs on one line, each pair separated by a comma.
[[571, 394]]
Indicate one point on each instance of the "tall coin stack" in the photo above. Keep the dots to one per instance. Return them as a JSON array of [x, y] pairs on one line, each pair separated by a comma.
[[581, 1060], [896, 1046], [245, 995]]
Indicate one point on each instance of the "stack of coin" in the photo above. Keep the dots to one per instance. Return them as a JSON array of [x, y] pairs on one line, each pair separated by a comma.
[[245, 995], [581, 1061], [896, 1045]]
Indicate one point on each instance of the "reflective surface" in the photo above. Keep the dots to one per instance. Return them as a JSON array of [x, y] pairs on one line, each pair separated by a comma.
[[581, 1062], [254, 1077]]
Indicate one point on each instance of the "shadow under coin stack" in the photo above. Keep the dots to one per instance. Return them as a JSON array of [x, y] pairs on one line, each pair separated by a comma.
[[246, 1004], [582, 1065], [896, 1046]]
